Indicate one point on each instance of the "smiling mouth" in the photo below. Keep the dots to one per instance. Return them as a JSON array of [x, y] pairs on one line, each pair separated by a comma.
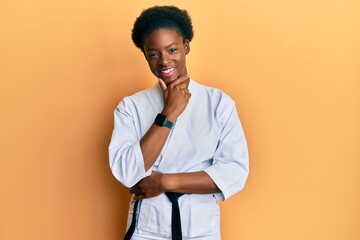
[[167, 71]]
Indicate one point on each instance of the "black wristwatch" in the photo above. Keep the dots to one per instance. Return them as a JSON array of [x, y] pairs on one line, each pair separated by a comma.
[[161, 120]]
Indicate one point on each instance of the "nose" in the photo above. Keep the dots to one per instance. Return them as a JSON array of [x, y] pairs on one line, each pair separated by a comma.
[[164, 59]]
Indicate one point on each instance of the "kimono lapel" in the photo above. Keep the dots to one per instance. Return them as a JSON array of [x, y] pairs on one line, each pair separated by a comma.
[[178, 135]]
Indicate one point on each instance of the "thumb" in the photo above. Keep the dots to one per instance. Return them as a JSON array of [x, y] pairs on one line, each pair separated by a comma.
[[162, 84]]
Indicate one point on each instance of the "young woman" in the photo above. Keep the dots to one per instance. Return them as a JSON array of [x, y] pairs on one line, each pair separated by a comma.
[[178, 146]]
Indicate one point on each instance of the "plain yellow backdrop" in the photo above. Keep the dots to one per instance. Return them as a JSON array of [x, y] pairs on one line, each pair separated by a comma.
[[292, 66]]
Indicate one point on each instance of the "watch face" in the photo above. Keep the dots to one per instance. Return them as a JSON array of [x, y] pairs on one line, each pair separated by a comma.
[[160, 119]]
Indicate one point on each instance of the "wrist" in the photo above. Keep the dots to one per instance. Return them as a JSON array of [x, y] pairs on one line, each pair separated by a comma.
[[168, 182], [170, 115]]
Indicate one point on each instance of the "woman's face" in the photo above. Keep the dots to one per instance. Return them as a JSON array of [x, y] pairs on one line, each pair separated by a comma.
[[165, 52]]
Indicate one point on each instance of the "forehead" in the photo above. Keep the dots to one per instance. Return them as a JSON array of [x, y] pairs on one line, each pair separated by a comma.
[[162, 37]]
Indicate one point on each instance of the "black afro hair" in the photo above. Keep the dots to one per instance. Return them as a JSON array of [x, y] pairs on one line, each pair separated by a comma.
[[157, 17]]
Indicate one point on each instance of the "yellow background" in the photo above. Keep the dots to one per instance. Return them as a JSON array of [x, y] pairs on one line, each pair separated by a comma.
[[293, 67]]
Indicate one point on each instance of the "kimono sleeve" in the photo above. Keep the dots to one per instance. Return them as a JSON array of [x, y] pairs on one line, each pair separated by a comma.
[[126, 159], [230, 167]]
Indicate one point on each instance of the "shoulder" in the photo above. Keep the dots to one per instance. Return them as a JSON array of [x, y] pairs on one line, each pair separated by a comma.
[[220, 103], [140, 98], [213, 94]]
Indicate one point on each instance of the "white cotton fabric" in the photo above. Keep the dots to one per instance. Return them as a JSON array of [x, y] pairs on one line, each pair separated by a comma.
[[207, 136]]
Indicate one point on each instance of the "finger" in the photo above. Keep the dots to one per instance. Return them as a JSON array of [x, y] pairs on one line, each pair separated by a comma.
[[185, 91], [139, 197], [182, 85], [188, 95], [135, 191], [180, 81], [162, 85]]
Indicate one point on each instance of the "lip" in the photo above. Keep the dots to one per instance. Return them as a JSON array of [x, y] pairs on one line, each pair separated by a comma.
[[166, 72]]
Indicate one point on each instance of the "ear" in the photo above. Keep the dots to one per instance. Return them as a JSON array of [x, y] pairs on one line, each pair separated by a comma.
[[187, 46]]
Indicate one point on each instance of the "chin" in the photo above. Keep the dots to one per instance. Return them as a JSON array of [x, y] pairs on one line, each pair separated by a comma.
[[170, 80]]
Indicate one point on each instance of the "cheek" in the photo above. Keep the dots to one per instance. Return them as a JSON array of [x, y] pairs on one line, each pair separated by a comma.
[[183, 57], [151, 65], [182, 61], [153, 69]]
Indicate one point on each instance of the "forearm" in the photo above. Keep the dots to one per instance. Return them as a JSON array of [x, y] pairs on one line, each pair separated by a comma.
[[194, 182], [152, 143], [157, 183]]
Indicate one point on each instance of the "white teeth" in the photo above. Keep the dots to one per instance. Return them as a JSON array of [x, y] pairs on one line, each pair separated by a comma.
[[167, 70]]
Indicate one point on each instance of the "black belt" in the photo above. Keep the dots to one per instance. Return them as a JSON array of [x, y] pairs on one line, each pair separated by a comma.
[[175, 217], [133, 221]]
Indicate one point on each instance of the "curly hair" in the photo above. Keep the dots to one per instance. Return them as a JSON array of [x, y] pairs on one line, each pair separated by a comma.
[[157, 17]]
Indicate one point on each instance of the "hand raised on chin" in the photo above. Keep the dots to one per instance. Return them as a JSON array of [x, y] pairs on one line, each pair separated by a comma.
[[176, 97]]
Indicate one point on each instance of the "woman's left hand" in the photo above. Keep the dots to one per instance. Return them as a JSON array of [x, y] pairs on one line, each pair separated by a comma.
[[148, 187]]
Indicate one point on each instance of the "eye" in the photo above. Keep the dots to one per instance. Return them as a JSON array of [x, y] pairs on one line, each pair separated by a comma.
[[172, 50], [151, 55]]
